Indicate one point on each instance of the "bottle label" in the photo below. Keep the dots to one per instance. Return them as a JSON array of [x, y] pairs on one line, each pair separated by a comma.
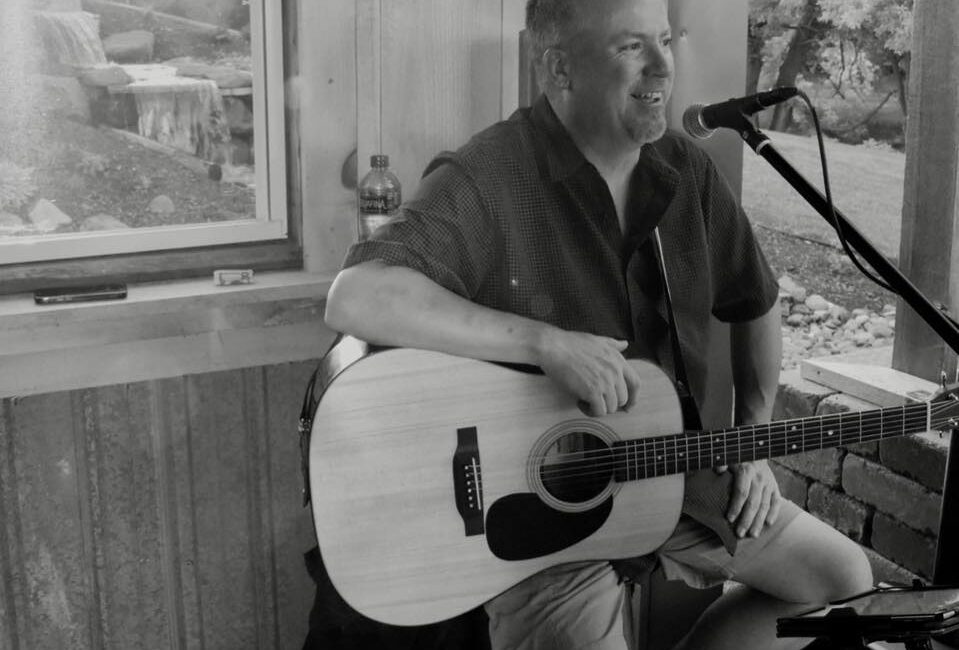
[[368, 223], [386, 203]]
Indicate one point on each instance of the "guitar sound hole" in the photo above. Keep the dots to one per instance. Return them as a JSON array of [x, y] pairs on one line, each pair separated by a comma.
[[577, 467]]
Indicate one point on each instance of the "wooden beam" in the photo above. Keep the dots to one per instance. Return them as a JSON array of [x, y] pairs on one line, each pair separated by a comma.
[[929, 249], [876, 384]]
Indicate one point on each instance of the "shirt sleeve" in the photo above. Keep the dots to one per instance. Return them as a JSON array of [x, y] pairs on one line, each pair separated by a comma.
[[444, 232], [744, 286]]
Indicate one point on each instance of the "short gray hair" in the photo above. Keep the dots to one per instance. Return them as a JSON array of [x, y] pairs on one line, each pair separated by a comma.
[[549, 23]]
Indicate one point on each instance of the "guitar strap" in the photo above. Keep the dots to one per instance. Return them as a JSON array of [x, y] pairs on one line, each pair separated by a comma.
[[691, 419], [707, 493]]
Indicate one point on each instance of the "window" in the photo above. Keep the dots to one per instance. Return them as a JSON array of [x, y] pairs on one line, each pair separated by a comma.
[[141, 139]]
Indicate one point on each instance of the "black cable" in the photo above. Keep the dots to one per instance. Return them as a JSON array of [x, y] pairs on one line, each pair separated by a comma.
[[832, 210]]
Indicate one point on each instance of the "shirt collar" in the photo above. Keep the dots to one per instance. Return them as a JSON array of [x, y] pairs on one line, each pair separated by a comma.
[[561, 155]]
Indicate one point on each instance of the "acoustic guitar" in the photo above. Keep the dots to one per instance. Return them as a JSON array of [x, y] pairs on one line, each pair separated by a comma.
[[438, 482]]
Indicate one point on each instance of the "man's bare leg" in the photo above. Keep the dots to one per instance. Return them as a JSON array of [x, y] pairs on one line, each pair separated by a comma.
[[809, 564]]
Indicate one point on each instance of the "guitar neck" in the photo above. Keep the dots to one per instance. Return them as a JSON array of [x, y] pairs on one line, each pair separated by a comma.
[[694, 450]]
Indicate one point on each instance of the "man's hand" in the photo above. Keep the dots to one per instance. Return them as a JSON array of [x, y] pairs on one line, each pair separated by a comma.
[[755, 500], [590, 367]]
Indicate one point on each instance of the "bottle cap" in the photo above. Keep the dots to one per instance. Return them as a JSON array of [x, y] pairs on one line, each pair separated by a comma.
[[379, 160]]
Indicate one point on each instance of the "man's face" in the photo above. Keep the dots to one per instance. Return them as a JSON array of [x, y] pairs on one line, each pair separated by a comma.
[[621, 71]]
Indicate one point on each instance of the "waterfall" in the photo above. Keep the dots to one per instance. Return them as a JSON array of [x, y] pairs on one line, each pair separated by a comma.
[[184, 113], [71, 37]]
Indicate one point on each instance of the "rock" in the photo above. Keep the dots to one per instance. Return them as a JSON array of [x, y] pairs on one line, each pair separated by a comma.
[[162, 204], [817, 303], [888, 310], [789, 285], [130, 47], [189, 67], [838, 312], [801, 308], [47, 217], [64, 96], [238, 115], [863, 339], [878, 327], [102, 76], [102, 222], [795, 320], [230, 77]]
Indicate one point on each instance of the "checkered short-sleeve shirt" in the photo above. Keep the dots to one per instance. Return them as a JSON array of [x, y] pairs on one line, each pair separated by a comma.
[[518, 220]]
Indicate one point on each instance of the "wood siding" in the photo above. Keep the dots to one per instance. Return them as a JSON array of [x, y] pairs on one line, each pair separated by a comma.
[[158, 514]]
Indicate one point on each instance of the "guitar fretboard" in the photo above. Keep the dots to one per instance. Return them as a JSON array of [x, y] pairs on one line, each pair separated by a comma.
[[694, 450]]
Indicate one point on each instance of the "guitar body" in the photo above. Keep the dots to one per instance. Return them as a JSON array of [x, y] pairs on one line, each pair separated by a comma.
[[430, 481]]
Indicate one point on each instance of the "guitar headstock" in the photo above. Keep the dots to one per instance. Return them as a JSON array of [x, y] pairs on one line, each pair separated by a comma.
[[944, 407]]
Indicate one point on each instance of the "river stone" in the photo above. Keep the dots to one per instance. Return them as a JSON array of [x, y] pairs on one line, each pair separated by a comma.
[[47, 217], [102, 222], [162, 204], [102, 76], [135, 46]]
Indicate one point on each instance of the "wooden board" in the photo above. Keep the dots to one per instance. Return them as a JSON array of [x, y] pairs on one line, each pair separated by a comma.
[[876, 384]]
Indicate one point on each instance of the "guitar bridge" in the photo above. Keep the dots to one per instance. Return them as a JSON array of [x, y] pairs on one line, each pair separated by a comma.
[[468, 481]]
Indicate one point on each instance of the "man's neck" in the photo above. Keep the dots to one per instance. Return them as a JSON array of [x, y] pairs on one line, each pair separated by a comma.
[[612, 159]]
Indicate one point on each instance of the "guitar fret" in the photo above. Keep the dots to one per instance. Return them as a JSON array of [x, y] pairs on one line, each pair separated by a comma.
[[695, 450], [749, 444]]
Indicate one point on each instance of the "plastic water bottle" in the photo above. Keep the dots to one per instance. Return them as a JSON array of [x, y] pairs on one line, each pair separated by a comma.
[[380, 196]]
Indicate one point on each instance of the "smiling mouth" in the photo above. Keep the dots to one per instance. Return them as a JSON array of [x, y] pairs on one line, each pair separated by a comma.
[[651, 98]]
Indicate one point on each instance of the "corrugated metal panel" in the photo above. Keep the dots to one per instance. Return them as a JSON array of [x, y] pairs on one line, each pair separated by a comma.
[[161, 514]]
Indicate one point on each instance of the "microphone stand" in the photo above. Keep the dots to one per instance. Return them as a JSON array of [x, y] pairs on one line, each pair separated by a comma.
[[947, 562]]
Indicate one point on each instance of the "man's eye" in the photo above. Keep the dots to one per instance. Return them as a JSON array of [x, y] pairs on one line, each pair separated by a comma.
[[635, 45], [667, 41]]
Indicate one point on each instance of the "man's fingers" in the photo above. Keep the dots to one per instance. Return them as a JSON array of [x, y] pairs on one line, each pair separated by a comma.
[[775, 505], [622, 392], [753, 503], [760, 519], [611, 399], [632, 386], [739, 496]]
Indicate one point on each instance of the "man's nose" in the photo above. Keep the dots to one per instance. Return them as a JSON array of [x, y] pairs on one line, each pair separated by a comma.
[[660, 61]]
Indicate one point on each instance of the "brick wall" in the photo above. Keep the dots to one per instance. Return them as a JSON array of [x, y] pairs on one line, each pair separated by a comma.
[[885, 495]]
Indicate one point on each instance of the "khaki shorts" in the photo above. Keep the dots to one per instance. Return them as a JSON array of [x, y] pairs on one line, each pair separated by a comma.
[[582, 605]]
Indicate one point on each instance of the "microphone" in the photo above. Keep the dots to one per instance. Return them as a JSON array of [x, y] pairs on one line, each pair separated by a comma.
[[701, 121]]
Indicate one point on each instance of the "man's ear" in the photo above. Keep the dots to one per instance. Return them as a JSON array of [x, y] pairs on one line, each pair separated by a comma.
[[556, 64]]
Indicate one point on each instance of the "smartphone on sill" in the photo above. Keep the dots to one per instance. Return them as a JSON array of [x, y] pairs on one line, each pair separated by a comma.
[[84, 293]]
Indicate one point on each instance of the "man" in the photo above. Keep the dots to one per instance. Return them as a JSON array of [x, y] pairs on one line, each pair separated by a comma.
[[534, 244]]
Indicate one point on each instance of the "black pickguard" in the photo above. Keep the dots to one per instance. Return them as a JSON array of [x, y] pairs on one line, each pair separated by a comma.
[[522, 527]]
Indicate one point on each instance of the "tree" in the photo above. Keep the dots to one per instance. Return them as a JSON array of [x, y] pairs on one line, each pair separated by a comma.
[[850, 45], [881, 30]]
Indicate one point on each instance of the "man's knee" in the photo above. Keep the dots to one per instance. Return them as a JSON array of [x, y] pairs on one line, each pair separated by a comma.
[[844, 572]]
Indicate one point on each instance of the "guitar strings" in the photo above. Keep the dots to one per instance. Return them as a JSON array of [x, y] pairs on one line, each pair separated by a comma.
[[636, 459], [868, 434], [701, 438], [915, 416]]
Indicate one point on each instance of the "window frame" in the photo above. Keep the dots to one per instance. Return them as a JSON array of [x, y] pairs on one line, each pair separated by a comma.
[[259, 244]]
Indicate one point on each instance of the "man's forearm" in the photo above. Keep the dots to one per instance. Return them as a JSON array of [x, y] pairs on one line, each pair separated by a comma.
[[391, 305], [756, 361]]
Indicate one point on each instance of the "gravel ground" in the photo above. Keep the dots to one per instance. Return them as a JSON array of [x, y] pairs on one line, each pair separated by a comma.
[[829, 306]]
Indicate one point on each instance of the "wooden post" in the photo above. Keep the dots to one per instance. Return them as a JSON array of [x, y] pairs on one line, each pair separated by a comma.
[[929, 250]]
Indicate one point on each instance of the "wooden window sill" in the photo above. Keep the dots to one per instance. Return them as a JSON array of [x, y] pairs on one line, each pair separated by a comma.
[[162, 329]]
